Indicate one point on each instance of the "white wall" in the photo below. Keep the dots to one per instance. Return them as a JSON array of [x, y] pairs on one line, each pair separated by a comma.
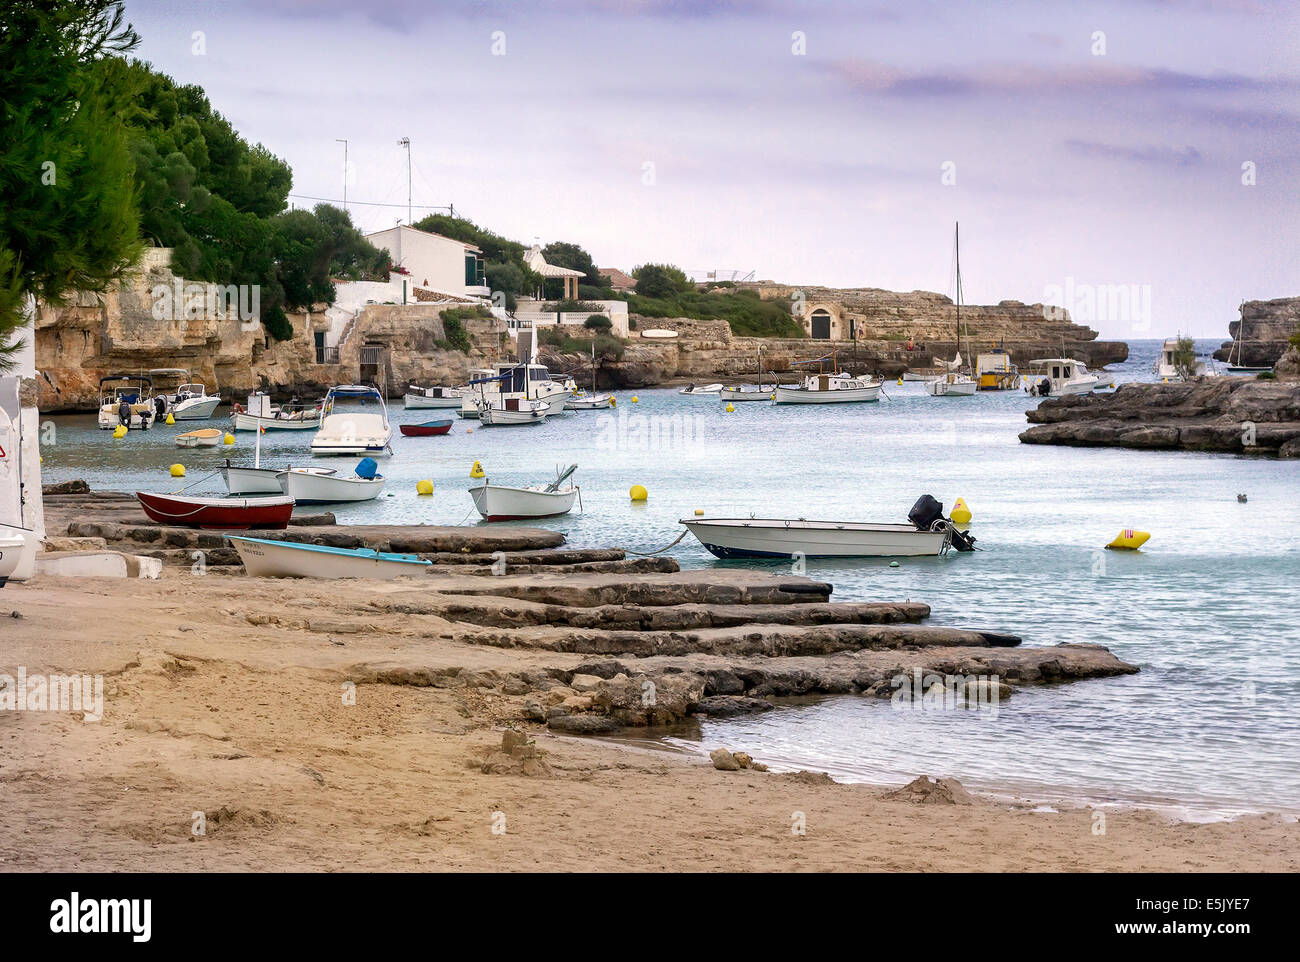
[[434, 261]]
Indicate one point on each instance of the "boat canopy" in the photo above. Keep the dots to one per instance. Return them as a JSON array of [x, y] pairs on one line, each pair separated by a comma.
[[142, 378], [491, 378]]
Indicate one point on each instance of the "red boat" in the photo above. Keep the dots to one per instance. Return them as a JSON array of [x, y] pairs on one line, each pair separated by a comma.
[[225, 514], [426, 430]]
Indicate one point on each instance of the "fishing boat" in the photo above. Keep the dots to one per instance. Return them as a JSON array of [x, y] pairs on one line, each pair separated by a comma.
[[188, 400], [922, 374], [431, 397], [264, 558], [327, 486], [497, 502], [928, 533], [834, 387], [747, 392], [353, 432], [425, 429], [233, 514], [260, 413], [1167, 367], [510, 411], [710, 389], [254, 480], [1062, 376], [951, 384], [527, 381], [132, 391], [995, 372], [583, 401], [17, 553], [205, 438]]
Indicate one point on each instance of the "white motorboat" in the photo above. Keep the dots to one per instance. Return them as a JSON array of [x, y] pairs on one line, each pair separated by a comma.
[[928, 533], [747, 392], [327, 486], [588, 402], [17, 553], [262, 414], [950, 385], [513, 380], [432, 397], [189, 400], [710, 389], [1167, 368], [921, 375], [497, 502], [265, 558], [1061, 376], [135, 391], [840, 388], [205, 438], [509, 411], [354, 432]]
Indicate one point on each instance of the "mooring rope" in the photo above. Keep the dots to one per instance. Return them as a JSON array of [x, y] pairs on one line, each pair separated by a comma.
[[646, 554]]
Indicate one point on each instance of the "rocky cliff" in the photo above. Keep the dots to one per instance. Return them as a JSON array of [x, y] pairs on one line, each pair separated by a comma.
[[1235, 414], [1264, 331]]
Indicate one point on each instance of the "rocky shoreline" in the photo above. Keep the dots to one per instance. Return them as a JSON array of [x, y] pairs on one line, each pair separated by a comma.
[[1225, 414]]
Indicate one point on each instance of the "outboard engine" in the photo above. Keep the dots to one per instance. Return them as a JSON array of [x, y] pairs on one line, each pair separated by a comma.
[[927, 515], [1044, 387]]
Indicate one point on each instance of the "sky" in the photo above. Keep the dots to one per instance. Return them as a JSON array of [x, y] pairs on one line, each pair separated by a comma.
[[1136, 162]]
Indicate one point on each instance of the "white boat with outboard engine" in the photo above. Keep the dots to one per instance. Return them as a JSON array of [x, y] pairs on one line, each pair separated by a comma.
[[710, 389], [497, 502], [327, 486], [354, 432], [928, 533], [188, 400], [1062, 376], [125, 392], [265, 558], [417, 397], [951, 385], [747, 392], [588, 402]]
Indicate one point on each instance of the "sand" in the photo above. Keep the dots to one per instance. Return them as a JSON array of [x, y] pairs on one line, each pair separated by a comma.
[[213, 708]]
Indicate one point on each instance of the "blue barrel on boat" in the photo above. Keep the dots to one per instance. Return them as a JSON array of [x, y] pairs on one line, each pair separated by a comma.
[[367, 468]]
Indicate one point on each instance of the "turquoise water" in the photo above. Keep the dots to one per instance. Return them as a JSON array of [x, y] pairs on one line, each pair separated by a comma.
[[1207, 609]]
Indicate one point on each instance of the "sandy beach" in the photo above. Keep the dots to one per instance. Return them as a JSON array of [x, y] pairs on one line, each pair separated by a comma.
[[225, 695]]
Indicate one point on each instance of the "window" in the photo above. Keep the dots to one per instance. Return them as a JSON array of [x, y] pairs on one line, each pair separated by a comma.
[[473, 270]]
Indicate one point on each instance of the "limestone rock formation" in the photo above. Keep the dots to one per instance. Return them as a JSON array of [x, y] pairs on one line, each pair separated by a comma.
[[1264, 338]]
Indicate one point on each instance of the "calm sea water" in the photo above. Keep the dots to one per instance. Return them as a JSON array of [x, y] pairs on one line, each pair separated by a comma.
[[1208, 609]]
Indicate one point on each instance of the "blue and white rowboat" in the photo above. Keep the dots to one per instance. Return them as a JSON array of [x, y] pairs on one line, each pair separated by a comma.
[[264, 558]]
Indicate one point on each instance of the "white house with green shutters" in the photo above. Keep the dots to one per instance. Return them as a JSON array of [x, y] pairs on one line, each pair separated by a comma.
[[433, 262]]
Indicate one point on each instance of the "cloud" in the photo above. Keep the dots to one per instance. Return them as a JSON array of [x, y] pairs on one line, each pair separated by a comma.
[[1156, 156]]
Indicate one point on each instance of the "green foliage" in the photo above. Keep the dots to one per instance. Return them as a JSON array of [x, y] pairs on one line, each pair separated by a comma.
[[570, 307], [608, 347], [661, 281], [1185, 358], [453, 323], [598, 322], [745, 311], [277, 323], [1295, 338], [503, 260], [68, 219]]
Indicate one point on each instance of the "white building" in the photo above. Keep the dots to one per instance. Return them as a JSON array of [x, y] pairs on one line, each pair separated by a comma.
[[433, 262]]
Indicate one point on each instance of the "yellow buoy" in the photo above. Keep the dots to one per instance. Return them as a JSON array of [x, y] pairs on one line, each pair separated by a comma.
[[477, 471], [178, 470], [731, 408], [638, 493], [960, 512], [635, 399], [424, 487], [613, 402], [900, 382], [228, 439], [1129, 540], [119, 431], [699, 512], [170, 419]]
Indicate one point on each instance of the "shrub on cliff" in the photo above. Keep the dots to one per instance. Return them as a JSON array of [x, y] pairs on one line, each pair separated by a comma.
[[453, 324], [661, 281], [68, 221], [746, 313], [599, 323]]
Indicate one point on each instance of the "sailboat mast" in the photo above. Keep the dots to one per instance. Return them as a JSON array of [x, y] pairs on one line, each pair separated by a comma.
[[957, 242]]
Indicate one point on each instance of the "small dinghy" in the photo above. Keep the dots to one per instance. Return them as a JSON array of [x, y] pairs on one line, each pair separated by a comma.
[[431, 397], [427, 429], [497, 502], [705, 389], [264, 558], [229, 514], [17, 552], [206, 438], [929, 533], [327, 486], [588, 402], [748, 392]]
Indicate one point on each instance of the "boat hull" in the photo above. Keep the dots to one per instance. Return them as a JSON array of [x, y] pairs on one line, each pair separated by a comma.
[[710, 389], [497, 503], [195, 409], [226, 514], [738, 396], [309, 487], [758, 538], [285, 559], [251, 480], [943, 388], [414, 402], [17, 553], [432, 429], [599, 403], [497, 417], [795, 395], [251, 422]]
